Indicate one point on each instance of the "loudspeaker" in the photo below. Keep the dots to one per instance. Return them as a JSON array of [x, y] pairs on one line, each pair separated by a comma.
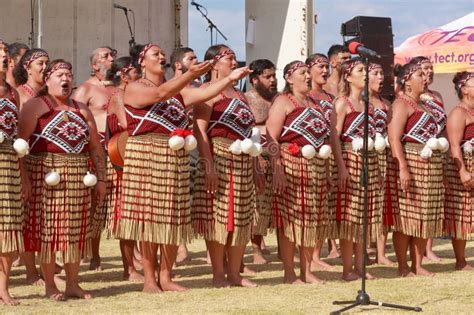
[[375, 33]]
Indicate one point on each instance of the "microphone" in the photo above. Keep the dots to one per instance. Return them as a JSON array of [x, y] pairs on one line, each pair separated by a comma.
[[117, 6], [195, 4], [358, 48]]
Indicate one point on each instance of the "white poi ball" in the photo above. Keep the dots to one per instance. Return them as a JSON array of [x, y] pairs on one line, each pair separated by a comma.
[[190, 143], [52, 178], [357, 144], [380, 144], [432, 143], [308, 151], [176, 143], [254, 150], [21, 147], [255, 135], [325, 152], [259, 148], [246, 145], [443, 144], [386, 142], [235, 147], [426, 153], [90, 180], [370, 144], [467, 148], [2, 137]]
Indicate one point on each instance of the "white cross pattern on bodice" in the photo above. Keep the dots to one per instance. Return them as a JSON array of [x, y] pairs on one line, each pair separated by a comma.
[[311, 125], [356, 129], [423, 130], [238, 117], [8, 119]]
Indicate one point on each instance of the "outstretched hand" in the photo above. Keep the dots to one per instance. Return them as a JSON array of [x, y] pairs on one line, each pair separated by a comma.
[[239, 73], [199, 69]]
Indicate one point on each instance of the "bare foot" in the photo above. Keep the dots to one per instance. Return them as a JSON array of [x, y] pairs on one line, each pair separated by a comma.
[[423, 272], [17, 261], [133, 277], [368, 276], [258, 258], [292, 279], [95, 265], [172, 286], [137, 264], [310, 278], [351, 276], [334, 254], [241, 282], [8, 299], [385, 261], [220, 283], [321, 266], [77, 292], [54, 294], [152, 288], [248, 271], [35, 280], [432, 256], [405, 273]]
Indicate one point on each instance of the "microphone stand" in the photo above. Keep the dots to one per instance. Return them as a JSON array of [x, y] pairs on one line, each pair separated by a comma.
[[131, 42], [211, 25], [363, 297]]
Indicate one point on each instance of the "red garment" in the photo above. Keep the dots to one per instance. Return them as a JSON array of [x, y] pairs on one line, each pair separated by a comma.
[[231, 118], [354, 124], [324, 100], [8, 115], [468, 134], [162, 118], [436, 109], [60, 131]]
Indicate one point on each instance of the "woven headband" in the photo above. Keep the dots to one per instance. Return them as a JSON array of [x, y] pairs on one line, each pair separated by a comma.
[[141, 56], [33, 57], [221, 55], [124, 70], [350, 67], [56, 67], [317, 61], [463, 81], [293, 68], [375, 66], [422, 61], [409, 73]]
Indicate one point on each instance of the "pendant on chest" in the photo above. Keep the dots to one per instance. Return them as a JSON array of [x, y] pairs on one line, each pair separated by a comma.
[[65, 116]]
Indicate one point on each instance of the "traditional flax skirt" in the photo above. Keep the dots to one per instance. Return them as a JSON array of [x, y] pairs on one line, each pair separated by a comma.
[[113, 199], [386, 194], [11, 207], [349, 218], [302, 211], [459, 203], [59, 216], [264, 210], [155, 204], [231, 208], [420, 210]]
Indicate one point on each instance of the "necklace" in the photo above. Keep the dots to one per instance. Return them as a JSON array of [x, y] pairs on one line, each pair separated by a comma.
[[149, 82]]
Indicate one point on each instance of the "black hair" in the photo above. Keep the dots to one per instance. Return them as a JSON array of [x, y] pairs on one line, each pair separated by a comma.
[[113, 74], [44, 90], [211, 52], [400, 71], [258, 66], [14, 49], [456, 79], [287, 88], [135, 54], [335, 49], [19, 72], [313, 57], [177, 55]]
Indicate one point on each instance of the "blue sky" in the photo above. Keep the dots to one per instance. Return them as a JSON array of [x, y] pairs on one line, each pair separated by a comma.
[[409, 17]]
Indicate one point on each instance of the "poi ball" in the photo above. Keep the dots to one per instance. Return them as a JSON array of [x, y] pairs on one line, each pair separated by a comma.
[[370, 144], [380, 144], [325, 152], [90, 180], [443, 144], [253, 150], [52, 178], [308, 151], [235, 147], [255, 135], [432, 144], [2, 137], [246, 145], [176, 143], [21, 147], [190, 143], [259, 148]]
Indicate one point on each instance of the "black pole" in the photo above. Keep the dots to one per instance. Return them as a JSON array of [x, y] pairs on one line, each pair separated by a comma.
[[362, 297], [211, 25], [131, 42], [32, 30]]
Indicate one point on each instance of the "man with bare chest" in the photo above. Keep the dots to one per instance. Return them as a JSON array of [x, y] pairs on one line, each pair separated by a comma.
[[337, 54], [94, 94], [264, 89]]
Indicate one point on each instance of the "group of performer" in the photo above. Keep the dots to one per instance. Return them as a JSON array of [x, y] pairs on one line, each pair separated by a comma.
[[203, 159]]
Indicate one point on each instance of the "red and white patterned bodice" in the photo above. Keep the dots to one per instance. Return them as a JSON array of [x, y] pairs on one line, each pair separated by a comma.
[[354, 124], [8, 115], [420, 126], [324, 100], [231, 118], [162, 118], [60, 131], [468, 134], [436, 109], [381, 119], [306, 125]]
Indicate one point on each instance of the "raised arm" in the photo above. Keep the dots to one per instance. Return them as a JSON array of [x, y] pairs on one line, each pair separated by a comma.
[[192, 96], [139, 95]]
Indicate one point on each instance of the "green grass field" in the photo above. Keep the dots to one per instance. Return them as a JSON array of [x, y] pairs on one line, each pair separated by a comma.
[[448, 292]]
